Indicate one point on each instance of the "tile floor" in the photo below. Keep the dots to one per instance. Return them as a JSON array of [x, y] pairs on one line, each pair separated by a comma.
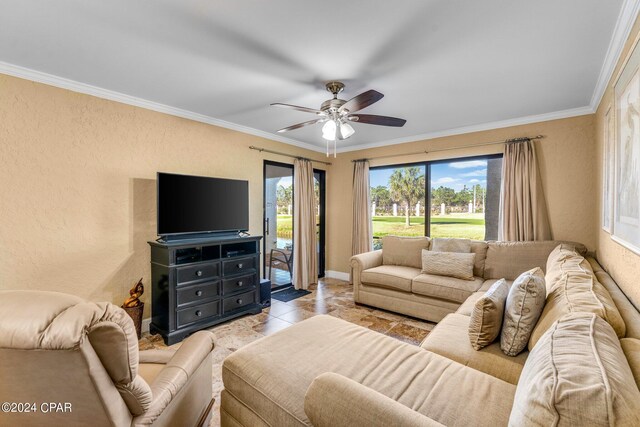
[[330, 296]]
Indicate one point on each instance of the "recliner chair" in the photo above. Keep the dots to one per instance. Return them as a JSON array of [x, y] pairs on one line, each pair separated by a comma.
[[57, 348]]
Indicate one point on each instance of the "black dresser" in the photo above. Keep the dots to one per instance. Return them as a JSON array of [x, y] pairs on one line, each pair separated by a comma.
[[203, 282]]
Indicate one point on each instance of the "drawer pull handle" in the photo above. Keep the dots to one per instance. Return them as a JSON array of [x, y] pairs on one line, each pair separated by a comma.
[[199, 273], [198, 293], [240, 283], [239, 301], [240, 265], [198, 313]]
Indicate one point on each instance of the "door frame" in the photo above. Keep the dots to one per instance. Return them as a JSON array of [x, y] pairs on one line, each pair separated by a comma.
[[322, 174], [323, 209], [264, 215]]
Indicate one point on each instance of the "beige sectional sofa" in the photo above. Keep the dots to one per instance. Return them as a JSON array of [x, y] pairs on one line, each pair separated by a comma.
[[391, 278], [340, 374]]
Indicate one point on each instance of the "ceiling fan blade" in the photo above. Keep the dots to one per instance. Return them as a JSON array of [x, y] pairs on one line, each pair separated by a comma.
[[371, 119], [301, 125], [361, 101], [296, 107]]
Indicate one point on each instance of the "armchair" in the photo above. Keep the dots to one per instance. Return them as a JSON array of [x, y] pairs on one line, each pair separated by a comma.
[[83, 356]]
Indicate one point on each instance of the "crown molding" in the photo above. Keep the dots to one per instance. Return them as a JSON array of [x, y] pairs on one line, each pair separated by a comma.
[[563, 114], [74, 86], [621, 32]]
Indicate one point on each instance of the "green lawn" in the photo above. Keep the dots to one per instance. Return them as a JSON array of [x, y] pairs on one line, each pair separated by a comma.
[[470, 226], [285, 225]]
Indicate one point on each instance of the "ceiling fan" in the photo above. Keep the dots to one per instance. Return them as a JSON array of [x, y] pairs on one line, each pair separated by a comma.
[[336, 114]]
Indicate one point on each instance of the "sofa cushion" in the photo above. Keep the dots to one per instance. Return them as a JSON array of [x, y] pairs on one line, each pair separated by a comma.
[[577, 291], [468, 305], [562, 259], [390, 276], [440, 244], [510, 259], [421, 380], [405, 251], [450, 339], [577, 375], [443, 287], [489, 282], [479, 247], [631, 349], [487, 314], [629, 313], [452, 264], [333, 400], [522, 311]]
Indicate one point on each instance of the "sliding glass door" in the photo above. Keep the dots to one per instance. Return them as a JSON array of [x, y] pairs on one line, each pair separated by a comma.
[[278, 222]]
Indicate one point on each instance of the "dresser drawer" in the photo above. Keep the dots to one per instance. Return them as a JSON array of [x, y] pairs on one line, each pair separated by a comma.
[[238, 265], [198, 272], [238, 301], [198, 293], [238, 284], [197, 313]]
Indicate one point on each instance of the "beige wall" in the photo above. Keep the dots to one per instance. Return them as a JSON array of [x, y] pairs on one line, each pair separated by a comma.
[[621, 263], [78, 189], [77, 185], [566, 159]]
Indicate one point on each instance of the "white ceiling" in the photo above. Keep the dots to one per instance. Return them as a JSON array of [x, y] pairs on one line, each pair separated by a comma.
[[442, 64]]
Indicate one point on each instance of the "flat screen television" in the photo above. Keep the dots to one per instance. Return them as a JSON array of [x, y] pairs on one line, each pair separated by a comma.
[[197, 204]]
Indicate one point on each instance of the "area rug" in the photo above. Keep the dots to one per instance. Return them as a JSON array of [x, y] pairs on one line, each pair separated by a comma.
[[289, 294]]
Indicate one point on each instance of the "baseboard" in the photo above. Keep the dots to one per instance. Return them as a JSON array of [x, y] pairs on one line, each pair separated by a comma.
[[332, 274], [145, 325]]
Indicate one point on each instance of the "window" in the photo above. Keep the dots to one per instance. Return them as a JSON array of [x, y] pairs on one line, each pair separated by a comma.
[[463, 198]]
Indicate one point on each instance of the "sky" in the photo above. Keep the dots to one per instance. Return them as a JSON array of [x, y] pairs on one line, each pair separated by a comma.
[[453, 175]]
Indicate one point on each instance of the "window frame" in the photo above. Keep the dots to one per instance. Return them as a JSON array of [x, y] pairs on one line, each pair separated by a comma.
[[427, 175]]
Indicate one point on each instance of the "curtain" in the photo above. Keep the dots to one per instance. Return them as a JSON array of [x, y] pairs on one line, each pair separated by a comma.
[[523, 210], [305, 252], [361, 234]]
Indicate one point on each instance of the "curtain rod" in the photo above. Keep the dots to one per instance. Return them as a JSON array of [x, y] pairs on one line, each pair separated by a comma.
[[260, 149], [506, 141]]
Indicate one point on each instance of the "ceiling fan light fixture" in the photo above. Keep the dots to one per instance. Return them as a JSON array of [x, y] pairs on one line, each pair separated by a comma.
[[346, 130], [329, 130]]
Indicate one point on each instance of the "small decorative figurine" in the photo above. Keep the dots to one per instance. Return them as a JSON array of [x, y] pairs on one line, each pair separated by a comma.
[[135, 292]]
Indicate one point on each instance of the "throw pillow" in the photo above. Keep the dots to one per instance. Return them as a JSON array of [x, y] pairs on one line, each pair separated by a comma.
[[452, 264], [451, 245], [405, 251], [524, 305], [487, 315], [577, 375]]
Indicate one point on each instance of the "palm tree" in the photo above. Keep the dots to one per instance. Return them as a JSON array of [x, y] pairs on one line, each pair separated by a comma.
[[381, 197], [407, 184]]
